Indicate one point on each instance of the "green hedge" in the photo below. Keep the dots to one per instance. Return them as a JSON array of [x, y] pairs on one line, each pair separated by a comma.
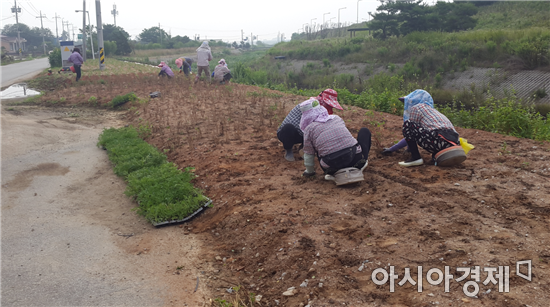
[[164, 193]]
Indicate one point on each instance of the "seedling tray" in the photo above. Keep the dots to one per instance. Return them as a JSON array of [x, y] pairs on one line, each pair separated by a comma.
[[172, 222]]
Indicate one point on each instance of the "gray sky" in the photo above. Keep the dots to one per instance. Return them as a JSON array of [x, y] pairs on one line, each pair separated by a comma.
[[212, 19]]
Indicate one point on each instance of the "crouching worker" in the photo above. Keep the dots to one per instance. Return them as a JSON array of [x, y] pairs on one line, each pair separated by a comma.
[[433, 131], [327, 137], [289, 132], [221, 73], [165, 70]]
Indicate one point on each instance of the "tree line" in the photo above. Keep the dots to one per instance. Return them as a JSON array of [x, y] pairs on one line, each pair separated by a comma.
[[116, 40], [394, 18]]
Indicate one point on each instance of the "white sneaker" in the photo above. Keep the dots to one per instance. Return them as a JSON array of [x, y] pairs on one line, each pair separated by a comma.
[[329, 177], [409, 163]]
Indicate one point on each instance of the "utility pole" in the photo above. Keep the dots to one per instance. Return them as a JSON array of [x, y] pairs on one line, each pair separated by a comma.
[[66, 23], [56, 32], [242, 36], [42, 26], [16, 10], [251, 40], [100, 35], [114, 12], [84, 30]]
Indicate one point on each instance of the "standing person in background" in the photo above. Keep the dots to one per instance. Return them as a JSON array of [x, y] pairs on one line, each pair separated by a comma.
[[77, 61], [204, 55]]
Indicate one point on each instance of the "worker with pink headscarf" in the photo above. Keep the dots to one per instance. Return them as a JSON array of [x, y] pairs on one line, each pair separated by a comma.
[[165, 70], [289, 132], [327, 137]]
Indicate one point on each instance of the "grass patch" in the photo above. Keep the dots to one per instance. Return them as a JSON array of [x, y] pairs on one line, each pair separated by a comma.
[[122, 99], [164, 193], [237, 299], [504, 116]]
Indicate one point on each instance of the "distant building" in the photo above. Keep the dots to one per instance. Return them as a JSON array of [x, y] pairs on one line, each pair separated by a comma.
[[10, 43]]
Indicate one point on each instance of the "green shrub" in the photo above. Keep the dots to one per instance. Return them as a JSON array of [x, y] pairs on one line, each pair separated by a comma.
[[504, 116], [55, 58], [122, 99]]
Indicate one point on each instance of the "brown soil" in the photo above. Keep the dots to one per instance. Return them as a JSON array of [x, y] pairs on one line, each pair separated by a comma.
[[275, 229]]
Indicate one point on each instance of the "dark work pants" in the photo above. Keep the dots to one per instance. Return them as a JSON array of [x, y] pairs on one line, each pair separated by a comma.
[[364, 140], [290, 135], [78, 71]]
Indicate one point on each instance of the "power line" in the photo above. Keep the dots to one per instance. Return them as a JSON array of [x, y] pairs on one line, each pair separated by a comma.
[[32, 6], [32, 14]]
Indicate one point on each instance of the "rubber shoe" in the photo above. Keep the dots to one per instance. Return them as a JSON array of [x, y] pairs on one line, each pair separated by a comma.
[[289, 156], [410, 163], [329, 177], [365, 166]]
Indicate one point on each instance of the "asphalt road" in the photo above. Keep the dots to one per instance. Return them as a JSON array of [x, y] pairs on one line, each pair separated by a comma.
[[60, 206], [18, 72]]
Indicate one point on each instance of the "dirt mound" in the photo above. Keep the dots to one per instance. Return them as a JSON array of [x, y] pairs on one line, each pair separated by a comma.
[[270, 229]]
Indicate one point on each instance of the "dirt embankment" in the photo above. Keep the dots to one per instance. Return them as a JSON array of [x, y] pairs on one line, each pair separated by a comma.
[[271, 229]]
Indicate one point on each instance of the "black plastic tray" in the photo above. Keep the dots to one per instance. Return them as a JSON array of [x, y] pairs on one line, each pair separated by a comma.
[[172, 222]]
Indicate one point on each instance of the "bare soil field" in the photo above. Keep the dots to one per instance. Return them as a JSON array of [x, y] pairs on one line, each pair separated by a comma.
[[271, 229]]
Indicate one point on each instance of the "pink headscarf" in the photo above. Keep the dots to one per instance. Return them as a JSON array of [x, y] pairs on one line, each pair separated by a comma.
[[328, 99], [179, 62], [312, 111], [162, 64]]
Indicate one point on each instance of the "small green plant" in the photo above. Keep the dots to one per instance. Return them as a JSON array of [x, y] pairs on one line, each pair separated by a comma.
[[92, 100], [237, 300], [540, 93], [62, 99], [503, 149], [144, 130], [326, 63]]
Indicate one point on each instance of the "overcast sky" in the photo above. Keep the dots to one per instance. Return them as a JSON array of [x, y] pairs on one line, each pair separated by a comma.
[[212, 19]]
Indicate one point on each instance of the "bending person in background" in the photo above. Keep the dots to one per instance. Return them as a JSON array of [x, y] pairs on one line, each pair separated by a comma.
[[204, 55], [77, 61], [221, 73], [425, 126], [420, 97], [327, 137], [165, 70], [183, 65], [289, 132]]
